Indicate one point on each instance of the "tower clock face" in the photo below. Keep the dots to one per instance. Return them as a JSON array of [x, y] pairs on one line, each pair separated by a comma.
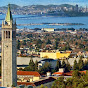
[[5, 46]]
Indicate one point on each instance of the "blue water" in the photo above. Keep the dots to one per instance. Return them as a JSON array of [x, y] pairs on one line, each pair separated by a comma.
[[27, 19]]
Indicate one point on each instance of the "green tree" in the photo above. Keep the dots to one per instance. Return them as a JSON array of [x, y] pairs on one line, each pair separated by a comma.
[[48, 42], [81, 64], [59, 83], [76, 74], [69, 82], [68, 67], [56, 45], [32, 65], [42, 86], [58, 65], [63, 64], [36, 65], [45, 68], [80, 85], [39, 43], [29, 35], [75, 66], [24, 42]]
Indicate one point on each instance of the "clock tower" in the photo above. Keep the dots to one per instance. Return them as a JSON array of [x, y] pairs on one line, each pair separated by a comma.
[[9, 71]]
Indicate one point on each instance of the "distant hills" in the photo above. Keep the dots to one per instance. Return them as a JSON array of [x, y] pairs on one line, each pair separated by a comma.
[[14, 6], [46, 10]]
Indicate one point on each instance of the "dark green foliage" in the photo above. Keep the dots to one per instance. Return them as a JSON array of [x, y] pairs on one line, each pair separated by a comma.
[[59, 83], [75, 66], [81, 64], [32, 65], [69, 82], [77, 81], [29, 35], [48, 42], [58, 65], [68, 67], [45, 68], [86, 65], [65, 48], [63, 64], [56, 45], [76, 74], [36, 65], [81, 46], [39, 43], [24, 42]]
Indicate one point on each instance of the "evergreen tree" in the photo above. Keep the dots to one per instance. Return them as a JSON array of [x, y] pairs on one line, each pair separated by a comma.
[[68, 67], [45, 68], [86, 65], [63, 64], [36, 65], [76, 74], [56, 45], [58, 65], [18, 44], [75, 66], [59, 83], [48, 42], [81, 64], [32, 65], [42, 86]]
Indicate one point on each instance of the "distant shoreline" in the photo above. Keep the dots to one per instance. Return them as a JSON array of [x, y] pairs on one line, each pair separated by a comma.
[[56, 24]]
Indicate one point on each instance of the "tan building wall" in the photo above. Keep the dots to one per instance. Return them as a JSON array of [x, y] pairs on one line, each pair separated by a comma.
[[48, 29], [25, 78], [48, 55], [52, 55]]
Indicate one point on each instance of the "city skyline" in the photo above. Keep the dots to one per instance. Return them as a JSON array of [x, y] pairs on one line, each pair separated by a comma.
[[35, 2]]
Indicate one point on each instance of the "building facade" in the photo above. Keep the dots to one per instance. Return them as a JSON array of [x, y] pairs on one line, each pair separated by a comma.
[[27, 76], [9, 72], [54, 55]]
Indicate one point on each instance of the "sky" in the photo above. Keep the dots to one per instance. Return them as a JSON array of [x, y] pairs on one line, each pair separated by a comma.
[[43, 2]]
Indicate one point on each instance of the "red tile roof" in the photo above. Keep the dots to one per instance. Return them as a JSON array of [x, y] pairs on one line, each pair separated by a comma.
[[58, 73], [83, 72], [33, 73], [67, 73], [25, 83]]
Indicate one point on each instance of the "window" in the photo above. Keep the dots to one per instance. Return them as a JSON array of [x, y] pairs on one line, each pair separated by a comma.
[[7, 34]]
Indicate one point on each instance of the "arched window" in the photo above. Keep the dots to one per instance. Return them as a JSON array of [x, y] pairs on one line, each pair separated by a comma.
[[7, 34]]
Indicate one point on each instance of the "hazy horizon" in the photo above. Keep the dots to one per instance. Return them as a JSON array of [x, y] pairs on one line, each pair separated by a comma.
[[45, 2]]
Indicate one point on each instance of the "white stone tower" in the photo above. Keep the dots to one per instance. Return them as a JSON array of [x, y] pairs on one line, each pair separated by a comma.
[[9, 71]]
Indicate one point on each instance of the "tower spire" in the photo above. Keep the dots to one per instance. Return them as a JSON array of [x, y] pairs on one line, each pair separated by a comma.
[[8, 15]]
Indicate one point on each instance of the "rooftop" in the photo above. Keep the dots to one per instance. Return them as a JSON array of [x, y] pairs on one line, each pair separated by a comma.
[[50, 79], [33, 73]]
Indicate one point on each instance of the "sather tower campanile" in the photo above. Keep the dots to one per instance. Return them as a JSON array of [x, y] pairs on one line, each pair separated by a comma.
[[9, 71]]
